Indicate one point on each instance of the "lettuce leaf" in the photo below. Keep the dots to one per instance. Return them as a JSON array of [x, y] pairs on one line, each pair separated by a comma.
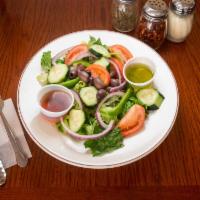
[[106, 144], [46, 61]]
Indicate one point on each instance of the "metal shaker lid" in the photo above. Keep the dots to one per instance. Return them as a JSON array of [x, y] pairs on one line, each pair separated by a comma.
[[182, 7], [126, 1], [156, 8]]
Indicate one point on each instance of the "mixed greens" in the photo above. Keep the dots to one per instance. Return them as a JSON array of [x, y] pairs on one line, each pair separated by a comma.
[[106, 107]]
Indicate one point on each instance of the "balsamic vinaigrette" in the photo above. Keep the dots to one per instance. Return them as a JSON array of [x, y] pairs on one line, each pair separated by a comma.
[[56, 101]]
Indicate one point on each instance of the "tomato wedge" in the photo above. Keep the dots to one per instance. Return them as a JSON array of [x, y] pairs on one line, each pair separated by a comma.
[[119, 64], [124, 53], [99, 71], [75, 52], [133, 120]]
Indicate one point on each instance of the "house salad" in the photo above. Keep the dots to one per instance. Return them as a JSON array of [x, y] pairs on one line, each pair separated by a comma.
[[106, 108]]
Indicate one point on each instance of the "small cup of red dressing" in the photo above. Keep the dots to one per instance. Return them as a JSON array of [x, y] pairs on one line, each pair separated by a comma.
[[54, 101]]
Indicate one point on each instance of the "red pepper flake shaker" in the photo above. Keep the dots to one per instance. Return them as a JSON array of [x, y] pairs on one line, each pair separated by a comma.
[[152, 27]]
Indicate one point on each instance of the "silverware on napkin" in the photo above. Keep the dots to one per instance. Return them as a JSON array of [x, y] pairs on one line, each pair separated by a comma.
[[21, 157], [2, 174]]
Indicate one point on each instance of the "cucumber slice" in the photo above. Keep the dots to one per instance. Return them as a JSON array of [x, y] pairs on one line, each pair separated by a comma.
[[43, 78], [103, 62], [76, 119], [89, 95], [150, 97], [99, 50], [57, 73]]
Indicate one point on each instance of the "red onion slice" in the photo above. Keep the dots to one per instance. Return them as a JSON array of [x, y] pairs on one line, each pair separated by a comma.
[[117, 88], [59, 55], [77, 99], [65, 51], [98, 114], [120, 77], [83, 55], [88, 137]]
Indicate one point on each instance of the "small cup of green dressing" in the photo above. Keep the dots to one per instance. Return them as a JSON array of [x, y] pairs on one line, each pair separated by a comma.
[[139, 71]]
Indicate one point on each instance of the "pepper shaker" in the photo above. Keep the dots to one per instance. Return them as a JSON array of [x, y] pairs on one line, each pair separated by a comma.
[[180, 19], [125, 14], [152, 27]]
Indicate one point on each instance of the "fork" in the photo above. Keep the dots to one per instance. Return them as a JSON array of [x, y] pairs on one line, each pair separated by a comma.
[[21, 158], [2, 174]]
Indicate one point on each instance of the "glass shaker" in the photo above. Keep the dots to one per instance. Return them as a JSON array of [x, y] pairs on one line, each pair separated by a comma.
[[152, 27], [180, 19], [125, 14]]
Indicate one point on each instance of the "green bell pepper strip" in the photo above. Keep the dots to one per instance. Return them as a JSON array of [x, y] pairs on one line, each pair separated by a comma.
[[114, 111], [82, 62], [70, 83]]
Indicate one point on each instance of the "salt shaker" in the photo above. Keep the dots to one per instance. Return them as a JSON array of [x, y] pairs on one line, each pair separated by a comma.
[[180, 19], [125, 14], [152, 27]]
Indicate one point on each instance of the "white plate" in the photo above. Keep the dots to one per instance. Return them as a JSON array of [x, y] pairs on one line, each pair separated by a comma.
[[157, 126]]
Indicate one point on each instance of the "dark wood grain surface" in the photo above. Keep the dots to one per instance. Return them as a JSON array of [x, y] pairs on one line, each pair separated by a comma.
[[172, 171]]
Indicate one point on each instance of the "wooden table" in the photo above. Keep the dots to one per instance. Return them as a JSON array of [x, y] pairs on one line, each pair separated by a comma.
[[172, 171]]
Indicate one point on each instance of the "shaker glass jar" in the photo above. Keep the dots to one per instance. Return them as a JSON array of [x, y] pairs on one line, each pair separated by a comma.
[[125, 14], [152, 27], [180, 19]]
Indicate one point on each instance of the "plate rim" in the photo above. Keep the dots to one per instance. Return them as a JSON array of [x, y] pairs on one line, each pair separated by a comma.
[[151, 149]]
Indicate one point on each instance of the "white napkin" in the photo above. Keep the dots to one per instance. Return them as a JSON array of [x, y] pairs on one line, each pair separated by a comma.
[[7, 154]]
